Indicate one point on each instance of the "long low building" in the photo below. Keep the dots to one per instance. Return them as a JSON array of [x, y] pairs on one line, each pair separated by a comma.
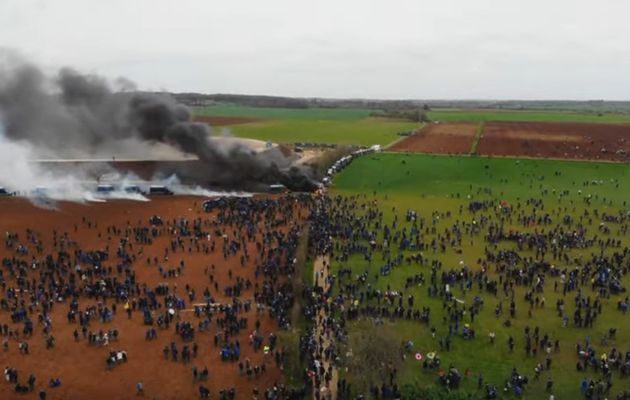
[[189, 170]]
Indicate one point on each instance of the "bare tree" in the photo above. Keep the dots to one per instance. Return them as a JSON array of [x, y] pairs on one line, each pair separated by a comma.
[[371, 353]]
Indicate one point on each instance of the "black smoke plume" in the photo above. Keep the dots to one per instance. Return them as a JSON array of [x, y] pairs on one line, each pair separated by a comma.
[[72, 114]]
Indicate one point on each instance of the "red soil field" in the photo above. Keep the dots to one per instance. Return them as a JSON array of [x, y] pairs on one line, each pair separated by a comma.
[[439, 138], [584, 141], [81, 366], [225, 121]]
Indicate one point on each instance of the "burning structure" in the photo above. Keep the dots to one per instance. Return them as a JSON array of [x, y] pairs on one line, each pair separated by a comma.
[[76, 116]]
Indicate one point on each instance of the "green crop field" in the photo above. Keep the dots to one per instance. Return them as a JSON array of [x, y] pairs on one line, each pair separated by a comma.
[[363, 132], [233, 110], [438, 187], [525, 116], [444, 176], [314, 125]]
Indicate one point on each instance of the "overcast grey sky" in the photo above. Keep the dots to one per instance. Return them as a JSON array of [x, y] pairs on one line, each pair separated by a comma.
[[446, 49]]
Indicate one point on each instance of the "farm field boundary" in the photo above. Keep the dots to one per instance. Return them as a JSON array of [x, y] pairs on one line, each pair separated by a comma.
[[478, 135], [455, 138]]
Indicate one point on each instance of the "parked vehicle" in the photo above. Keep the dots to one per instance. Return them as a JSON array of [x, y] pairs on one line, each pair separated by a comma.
[[277, 188], [159, 190], [133, 189], [105, 189]]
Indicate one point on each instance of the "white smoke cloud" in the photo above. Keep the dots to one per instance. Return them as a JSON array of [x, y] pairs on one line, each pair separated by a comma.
[[174, 184], [19, 175], [25, 178]]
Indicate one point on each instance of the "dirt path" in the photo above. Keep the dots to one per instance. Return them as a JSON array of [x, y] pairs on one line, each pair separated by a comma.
[[320, 272], [477, 138]]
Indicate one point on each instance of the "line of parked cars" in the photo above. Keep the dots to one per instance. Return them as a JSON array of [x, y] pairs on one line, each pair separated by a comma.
[[105, 189], [344, 161], [101, 190]]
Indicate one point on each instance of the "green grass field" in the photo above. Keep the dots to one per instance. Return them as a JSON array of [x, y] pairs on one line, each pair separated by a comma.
[[314, 125], [442, 184], [329, 114], [525, 116], [445, 176], [363, 132]]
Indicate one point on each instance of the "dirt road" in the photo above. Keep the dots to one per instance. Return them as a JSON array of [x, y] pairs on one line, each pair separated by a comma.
[[323, 333]]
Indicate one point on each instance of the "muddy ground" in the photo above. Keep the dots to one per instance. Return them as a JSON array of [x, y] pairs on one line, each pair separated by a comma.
[[456, 138], [582, 141]]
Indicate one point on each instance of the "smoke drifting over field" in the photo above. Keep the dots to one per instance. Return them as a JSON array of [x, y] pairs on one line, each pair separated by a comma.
[[75, 115], [19, 175]]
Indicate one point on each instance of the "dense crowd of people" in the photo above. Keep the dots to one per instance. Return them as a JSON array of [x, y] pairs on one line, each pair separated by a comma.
[[533, 257], [95, 288], [572, 253]]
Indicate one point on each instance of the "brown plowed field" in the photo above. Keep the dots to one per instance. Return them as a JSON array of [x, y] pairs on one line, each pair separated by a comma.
[[440, 138], [556, 140], [225, 121], [81, 366]]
